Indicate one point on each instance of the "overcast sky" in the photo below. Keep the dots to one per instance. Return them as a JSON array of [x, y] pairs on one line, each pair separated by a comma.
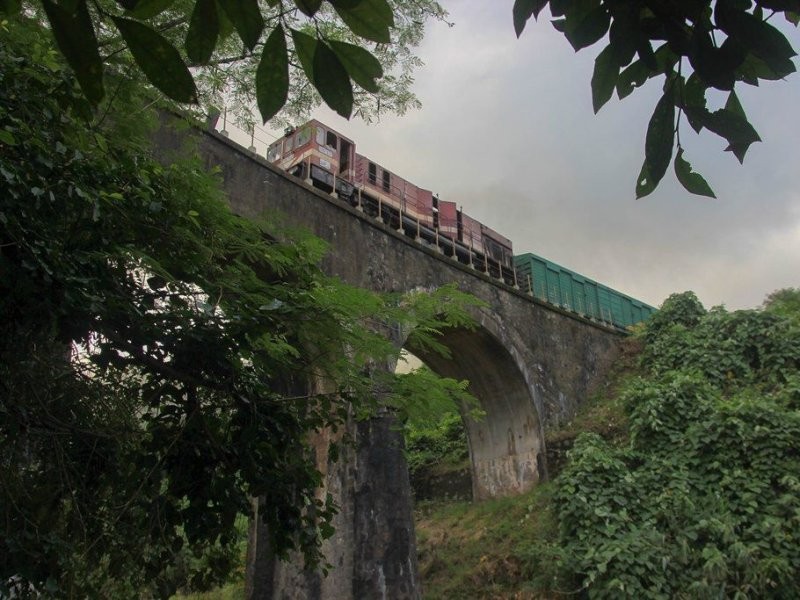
[[507, 131]]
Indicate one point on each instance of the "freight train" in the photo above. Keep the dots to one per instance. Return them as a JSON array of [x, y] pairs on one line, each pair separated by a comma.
[[329, 161]]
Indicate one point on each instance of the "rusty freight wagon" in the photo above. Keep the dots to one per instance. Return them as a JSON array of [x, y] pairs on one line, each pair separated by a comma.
[[571, 291]]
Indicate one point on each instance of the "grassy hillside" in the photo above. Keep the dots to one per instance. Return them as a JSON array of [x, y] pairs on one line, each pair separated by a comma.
[[482, 550]]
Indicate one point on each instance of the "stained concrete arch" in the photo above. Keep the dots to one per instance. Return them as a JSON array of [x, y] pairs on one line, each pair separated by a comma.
[[506, 446]]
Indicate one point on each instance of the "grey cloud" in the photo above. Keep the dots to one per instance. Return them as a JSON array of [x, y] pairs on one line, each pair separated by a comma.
[[507, 131]]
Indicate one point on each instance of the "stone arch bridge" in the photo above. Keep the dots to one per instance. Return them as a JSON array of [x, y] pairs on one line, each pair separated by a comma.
[[529, 363]]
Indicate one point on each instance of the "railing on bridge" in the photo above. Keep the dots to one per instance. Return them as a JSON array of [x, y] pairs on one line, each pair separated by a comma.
[[463, 251], [257, 139]]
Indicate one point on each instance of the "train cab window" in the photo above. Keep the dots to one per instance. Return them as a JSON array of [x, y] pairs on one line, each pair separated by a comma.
[[320, 136], [331, 140], [372, 173], [387, 181], [344, 155], [274, 152], [303, 136]]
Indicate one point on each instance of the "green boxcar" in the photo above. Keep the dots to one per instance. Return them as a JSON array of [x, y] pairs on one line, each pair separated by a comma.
[[558, 285]]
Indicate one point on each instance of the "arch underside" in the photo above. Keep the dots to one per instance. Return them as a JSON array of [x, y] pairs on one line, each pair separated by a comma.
[[505, 446]]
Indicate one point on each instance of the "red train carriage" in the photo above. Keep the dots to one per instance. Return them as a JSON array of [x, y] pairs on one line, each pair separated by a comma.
[[406, 198], [314, 151], [328, 160]]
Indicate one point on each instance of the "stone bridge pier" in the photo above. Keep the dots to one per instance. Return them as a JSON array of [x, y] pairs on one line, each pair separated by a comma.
[[530, 364], [373, 552]]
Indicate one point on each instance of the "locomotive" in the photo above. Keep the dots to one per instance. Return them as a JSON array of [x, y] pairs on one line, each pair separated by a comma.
[[329, 161]]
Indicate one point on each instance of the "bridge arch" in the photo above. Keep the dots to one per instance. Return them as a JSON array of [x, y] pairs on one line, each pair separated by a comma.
[[506, 446], [530, 364]]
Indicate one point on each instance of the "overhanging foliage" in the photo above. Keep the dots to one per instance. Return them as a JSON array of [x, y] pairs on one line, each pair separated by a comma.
[[695, 47], [161, 359], [245, 53], [704, 500]]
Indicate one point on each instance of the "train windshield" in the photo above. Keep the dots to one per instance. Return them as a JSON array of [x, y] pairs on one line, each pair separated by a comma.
[[274, 152], [303, 136]]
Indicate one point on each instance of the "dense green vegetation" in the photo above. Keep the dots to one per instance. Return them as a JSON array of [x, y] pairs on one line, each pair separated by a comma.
[[440, 442], [162, 361], [703, 501], [279, 56], [433, 429], [699, 499]]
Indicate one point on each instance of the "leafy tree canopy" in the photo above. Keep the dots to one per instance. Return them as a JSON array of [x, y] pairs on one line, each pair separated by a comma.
[[275, 54], [785, 302], [704, 499], [162, 361], [696, 48]]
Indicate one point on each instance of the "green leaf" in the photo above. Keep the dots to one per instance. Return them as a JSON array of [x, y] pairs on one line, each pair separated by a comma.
[[644, 183], [324, 69], [7, 138], [158, 59], [693, 182], [369, 19], [246, 18], [753, 68], [272, 75], [361, 65], [585, 29], [332, 81], [523, 10], [558, 8], [694, 92], [147, 9], [201, 39], [734, 127], [623, 36], [308, 7], [734, 106], [226, 28], [632, 77], [779, 5], [716, 66], [658, 144], [757, 36], [75, 37], [645, 51], [694, 101], [604, 78], [306, 46]]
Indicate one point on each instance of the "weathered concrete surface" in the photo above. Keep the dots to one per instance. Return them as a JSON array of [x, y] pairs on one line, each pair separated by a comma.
[[529, 364], [373, 553]]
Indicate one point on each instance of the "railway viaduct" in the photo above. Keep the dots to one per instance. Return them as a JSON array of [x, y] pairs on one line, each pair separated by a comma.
[[529, 363]]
